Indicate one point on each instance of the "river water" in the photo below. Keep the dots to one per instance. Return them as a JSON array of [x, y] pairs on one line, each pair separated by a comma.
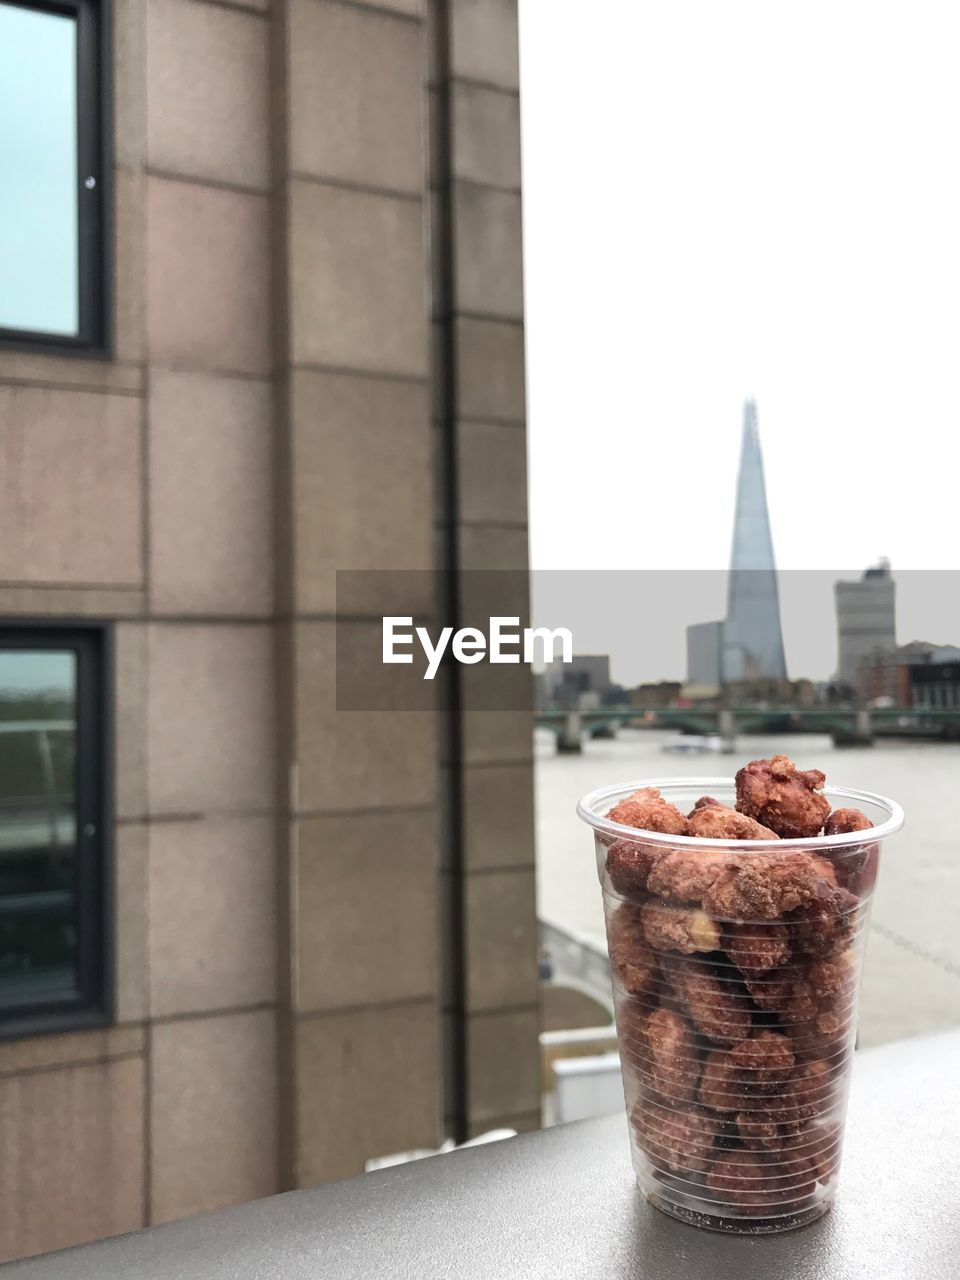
[[912, 974]]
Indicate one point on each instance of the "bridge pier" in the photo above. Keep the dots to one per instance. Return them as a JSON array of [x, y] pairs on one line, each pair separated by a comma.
[[862, 733], [569, 739], [727, 727]]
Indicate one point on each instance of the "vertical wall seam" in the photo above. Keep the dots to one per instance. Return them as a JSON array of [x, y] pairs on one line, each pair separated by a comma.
[[283, 616], [444, 294]]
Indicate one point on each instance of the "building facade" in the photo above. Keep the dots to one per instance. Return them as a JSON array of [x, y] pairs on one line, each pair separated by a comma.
[[919, 675], [747, 645], [752, 636], [935, 685], [704, 650], [663, 693], [296, 346], [563, 684], [866, 619]]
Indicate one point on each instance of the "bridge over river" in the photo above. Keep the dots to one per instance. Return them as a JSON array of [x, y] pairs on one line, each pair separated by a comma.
[[847, 725]]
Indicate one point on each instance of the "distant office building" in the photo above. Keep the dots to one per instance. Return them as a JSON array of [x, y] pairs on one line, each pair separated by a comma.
[[663, 693], [748, 645], [935, 684], [704, 649], [866, 619], [587, 673], [752, 638], [920, 675]]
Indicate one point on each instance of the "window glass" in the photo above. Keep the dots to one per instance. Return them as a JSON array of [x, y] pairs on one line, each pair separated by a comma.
[[38, 827], [39, 270]]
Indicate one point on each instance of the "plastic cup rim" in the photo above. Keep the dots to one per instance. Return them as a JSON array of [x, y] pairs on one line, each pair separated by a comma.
[[593, 800]]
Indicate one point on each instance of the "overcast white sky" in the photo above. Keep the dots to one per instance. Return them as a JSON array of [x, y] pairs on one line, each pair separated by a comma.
[[726, 198]]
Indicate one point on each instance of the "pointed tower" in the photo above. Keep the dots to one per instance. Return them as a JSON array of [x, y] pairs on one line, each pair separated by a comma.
[[752, 639]]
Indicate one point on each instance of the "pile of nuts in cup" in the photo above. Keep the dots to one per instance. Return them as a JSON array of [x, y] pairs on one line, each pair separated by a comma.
[[736, 976]]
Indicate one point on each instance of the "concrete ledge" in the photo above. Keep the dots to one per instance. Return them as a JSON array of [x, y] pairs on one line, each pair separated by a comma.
[[563, 1203]]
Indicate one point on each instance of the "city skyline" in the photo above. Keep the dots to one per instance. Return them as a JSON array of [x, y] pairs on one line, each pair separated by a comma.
[[639, 617]]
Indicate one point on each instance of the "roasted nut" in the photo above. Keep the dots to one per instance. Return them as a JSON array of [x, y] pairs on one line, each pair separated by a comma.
[[717, 822], [812, 1089], [799, 1006], [814, 1149], [705, 802], [758, 1131], [765, 1061], [753, 1184], [771, 1122], [833, 979], [772, 991], [818, 1025], [719, 1088], [843, 820], [631, 1020], [629, 863], [856, 866], [830, 1034], [672, 1068], [633, 964], [683, 929], [757, 948], [824, 1035], [826, 922], [686, 875], [782, 797], [718, 1013], [768, 886], [647, 810], [857, 871], [680, 1141]]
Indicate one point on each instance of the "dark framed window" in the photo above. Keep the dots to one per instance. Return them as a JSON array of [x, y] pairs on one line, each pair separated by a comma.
[[54, 856], [55, 174]]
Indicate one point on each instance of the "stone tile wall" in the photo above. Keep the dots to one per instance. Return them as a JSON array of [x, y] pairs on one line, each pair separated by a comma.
[[324, 921]]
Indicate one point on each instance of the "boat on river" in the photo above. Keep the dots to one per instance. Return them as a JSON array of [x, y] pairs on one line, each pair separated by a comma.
[[699, 744]]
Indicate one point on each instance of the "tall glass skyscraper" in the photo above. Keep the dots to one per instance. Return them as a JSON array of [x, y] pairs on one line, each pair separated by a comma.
[[752, 646]]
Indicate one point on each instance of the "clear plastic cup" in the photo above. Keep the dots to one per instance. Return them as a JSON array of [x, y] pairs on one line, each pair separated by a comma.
[[736, 967]]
